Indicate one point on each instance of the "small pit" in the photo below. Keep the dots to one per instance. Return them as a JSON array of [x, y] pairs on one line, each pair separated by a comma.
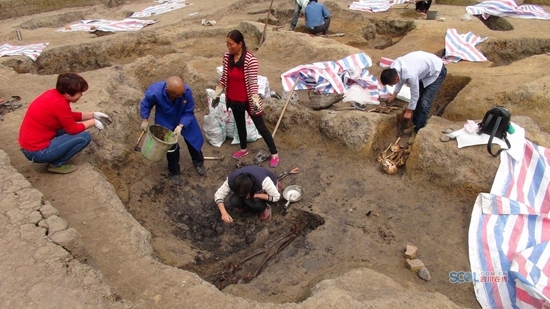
[[505, 52], [496, 23]]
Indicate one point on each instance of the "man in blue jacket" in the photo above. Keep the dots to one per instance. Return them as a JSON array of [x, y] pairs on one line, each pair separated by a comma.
[[317, 18], [175, 110]]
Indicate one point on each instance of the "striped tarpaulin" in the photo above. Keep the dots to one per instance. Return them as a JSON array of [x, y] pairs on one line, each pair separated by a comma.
[[507, 8], [333, 76], [462, 47], [166, 6], [510, 232], [128, 24], [32, 50], [375, 6]]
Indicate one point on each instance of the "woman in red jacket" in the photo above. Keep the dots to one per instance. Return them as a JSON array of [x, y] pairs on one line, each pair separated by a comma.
[[240, 80], [51, 132]]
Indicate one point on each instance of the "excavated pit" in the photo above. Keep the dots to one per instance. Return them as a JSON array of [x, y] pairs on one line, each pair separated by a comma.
[[183, 220], [505, 52], [496, 23]]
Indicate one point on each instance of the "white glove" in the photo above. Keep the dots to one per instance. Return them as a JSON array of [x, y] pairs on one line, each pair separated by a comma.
[[144, 125], [219, 90], [99, 125], [177, 130], [99, 115]]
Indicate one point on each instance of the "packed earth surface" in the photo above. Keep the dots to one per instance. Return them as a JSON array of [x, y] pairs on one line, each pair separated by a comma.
[[133, 239]]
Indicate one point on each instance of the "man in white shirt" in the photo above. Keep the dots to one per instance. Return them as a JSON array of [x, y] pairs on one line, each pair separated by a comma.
[[424, 73]]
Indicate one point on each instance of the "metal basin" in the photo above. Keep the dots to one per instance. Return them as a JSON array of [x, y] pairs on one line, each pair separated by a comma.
[[292, 194]]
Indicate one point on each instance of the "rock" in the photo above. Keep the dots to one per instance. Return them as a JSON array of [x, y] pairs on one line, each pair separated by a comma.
[[35, 217], [444, 138], [70, 240], [423, 273], [447, 131], [410, 252], [56, 224], [48, 210], [414, 265]]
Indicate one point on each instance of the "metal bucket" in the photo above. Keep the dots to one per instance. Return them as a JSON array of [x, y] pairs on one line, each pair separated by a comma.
[[431, 15], [158, 141]]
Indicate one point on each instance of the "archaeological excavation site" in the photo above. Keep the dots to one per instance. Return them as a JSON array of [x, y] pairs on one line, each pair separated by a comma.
[[118, 233]]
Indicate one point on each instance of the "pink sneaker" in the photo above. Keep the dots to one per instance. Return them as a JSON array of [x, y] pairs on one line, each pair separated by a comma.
[[274, 162], [266, 214], [239, 154]]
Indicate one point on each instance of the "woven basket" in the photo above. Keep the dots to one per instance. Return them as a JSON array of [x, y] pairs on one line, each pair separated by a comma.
[[321, 101]]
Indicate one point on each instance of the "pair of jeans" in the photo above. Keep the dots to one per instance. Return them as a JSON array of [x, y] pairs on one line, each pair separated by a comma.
[[294, 20], [240, 121], [173, 157], [426, 96], [253, 204], [62, 148], [321, 28]]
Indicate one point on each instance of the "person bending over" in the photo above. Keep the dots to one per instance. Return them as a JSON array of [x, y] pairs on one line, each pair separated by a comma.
[[253, 187], [424, 73], [175, 110]]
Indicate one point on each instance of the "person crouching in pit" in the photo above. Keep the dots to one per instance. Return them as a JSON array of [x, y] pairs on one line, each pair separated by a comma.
[[253, 187]]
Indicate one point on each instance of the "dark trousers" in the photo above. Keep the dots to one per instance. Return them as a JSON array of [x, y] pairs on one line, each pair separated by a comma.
[[322, 28], [173, 157], [240, 121], [426, 97], [254, 204], [294, 20], [423, 6]]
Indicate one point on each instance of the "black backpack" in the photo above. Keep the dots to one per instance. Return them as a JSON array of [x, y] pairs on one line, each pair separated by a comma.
[[495, 123]]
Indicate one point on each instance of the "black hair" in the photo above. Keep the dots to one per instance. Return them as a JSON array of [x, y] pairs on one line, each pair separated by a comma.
[[71, 83], [387, 77], [244, 185], [237, 37]]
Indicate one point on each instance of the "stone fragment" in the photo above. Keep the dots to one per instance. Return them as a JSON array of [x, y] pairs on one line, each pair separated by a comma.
[[447, 131], [444, 138], [410, 252], [414, 265], [48, 210], [70, 240], [35, 217], [423, 273], [56, 224], [43, 224]]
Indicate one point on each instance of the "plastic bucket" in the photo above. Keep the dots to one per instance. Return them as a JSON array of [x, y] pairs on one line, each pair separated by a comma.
[[431, 15], [158, 141]]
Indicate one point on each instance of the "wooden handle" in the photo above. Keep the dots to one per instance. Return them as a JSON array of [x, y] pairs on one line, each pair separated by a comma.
[[265, 26], [284, 108]]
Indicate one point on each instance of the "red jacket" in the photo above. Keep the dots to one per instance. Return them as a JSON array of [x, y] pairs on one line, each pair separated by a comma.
[[47, 114]]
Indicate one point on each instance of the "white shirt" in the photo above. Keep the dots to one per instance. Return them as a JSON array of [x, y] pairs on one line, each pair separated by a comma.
[[413, 68]]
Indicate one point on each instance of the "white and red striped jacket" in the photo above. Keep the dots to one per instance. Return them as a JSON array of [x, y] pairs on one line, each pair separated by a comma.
[[250, 79]]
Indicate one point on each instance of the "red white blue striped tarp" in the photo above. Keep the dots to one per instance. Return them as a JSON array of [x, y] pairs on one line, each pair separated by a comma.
[[166, 6], [509, 233], [32, 50], [507, 8], [333, 76], [462, 47], [375, 6], [128, 24]]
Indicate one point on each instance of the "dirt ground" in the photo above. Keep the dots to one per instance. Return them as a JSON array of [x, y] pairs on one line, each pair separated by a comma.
[[351, 215]]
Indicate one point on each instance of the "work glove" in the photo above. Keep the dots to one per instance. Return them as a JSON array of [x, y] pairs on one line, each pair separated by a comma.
[[177, 130], [144, 125], [256, 103], [102, 116], [99, 125], [217, 94]]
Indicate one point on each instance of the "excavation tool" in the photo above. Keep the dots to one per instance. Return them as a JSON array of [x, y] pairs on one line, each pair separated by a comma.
[[265, 26], [335, 34], [292, 171], [215, 158], [137, 148], [264, 154]]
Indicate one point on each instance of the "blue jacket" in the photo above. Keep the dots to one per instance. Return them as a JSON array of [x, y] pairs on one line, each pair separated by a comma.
[[315, 14], [170, 115]]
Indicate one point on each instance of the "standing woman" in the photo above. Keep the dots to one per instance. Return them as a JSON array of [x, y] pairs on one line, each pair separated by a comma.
[[240, 80]]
